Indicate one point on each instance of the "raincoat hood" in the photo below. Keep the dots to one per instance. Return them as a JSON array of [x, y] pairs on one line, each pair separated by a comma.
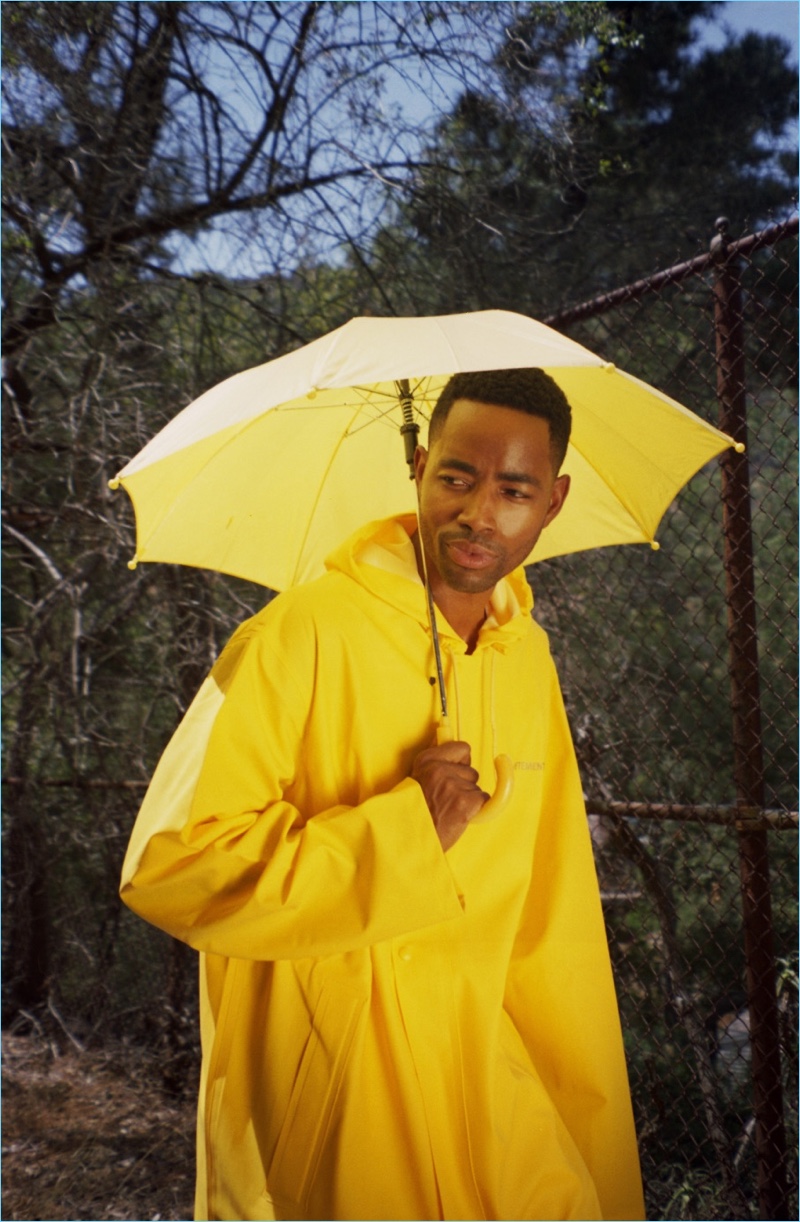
[[381, 558]]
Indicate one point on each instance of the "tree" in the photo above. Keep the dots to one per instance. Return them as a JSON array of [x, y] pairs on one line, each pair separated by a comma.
[[136, 135], [131, 127], [647, 139]]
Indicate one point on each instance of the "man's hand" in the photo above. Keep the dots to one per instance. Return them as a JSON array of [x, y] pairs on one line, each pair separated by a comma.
[[449, 785]]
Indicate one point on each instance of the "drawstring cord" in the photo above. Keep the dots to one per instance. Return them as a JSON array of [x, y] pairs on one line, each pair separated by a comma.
[[491, 702], [454, 673], [490, 659]]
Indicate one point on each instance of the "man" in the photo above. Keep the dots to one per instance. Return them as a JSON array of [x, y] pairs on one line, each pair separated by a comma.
[[407, 1008]]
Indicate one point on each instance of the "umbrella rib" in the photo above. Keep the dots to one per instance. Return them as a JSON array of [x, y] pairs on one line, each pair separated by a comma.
[[369, 399], [617, 496], [624, 501], [382, 414], [321, 486], [348, 432], [455, 364], [175, 505]]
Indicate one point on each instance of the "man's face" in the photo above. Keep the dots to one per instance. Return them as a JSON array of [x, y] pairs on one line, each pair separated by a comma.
[[487, 490]]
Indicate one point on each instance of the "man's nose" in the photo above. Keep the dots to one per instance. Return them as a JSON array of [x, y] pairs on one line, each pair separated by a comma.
[[477, 509]]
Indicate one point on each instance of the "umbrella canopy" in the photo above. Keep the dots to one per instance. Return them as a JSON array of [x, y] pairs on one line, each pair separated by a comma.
[[266, 473]]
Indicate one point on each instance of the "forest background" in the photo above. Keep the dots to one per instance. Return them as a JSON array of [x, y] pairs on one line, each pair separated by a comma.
[[190, 189]]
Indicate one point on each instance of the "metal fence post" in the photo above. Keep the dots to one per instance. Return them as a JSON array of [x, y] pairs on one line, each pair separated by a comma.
[[747, 740]]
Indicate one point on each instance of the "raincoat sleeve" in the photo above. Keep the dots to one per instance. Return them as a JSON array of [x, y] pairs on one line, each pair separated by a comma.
[[560, 988], [223, 855]]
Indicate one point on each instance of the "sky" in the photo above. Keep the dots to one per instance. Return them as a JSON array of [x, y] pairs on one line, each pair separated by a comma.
[[763, 16]]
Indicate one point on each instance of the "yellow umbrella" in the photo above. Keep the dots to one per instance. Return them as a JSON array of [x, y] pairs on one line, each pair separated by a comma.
[[267, 472]]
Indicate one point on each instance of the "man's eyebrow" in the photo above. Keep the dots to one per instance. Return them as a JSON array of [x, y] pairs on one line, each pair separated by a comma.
[[518, 477], [506, 477], [458, 464]]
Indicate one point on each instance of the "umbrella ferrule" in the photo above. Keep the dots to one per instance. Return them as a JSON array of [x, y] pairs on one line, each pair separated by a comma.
[[410, 434], [409, 429]]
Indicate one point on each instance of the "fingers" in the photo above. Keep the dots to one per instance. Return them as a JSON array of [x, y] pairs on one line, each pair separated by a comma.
[[446, 765], [449, 783], [450, 752]]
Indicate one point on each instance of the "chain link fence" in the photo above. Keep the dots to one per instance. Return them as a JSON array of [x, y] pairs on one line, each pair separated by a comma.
[[700, 933], [666, 758]]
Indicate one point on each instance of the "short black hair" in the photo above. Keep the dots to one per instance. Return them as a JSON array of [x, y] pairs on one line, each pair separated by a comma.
[[525, 390]]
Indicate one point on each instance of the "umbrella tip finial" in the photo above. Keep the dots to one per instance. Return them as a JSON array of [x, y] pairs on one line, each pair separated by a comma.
[[410, 429], [655, 546], [114, 483], [739, 447], [133, 563]]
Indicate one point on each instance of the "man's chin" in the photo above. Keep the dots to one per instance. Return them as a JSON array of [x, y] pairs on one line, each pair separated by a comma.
[[470, 581]]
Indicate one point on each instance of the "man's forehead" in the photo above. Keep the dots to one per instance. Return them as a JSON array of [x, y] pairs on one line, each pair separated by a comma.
[[467, 415]]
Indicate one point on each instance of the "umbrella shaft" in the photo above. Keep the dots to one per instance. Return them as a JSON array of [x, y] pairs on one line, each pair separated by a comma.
[[437, 653], [410, 434]]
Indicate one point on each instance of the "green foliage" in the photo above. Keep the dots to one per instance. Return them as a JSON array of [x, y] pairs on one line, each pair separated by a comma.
[[629, 142]]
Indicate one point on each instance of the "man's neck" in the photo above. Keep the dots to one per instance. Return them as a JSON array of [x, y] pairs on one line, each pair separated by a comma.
[[465, 613]]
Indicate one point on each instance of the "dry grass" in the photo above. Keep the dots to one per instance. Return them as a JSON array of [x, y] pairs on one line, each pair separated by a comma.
[[90, 1135]]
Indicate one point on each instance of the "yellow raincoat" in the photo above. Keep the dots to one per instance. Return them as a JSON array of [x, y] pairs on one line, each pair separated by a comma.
[[388, 1031]]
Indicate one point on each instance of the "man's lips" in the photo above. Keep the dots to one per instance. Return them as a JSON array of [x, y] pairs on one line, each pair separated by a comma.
[[469, 555]]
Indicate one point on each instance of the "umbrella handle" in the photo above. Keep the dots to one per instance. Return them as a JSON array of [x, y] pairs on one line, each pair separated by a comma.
[[503, 766]]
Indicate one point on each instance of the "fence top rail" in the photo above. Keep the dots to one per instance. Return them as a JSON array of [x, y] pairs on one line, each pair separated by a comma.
[[678, 272]]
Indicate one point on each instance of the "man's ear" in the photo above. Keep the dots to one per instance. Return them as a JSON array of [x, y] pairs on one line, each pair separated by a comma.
[[420, 462], [557, 498]]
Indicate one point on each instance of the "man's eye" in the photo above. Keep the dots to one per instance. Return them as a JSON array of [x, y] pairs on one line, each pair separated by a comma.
[[517, 494], [454, 481]]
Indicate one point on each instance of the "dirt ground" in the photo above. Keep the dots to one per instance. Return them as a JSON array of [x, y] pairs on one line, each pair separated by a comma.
[[90, 1135]]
